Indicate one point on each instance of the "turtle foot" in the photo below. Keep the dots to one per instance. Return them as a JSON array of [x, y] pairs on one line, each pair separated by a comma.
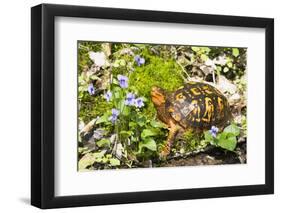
[[165, 152]]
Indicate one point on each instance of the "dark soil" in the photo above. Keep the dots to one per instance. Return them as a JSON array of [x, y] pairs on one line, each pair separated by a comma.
[[214, 156]]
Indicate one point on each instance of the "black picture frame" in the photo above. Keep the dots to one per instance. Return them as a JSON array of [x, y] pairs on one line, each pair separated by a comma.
[[43, 102]]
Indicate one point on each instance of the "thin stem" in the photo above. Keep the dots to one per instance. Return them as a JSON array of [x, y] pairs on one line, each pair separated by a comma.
[[214, 76], [81, 46], [183, 69]]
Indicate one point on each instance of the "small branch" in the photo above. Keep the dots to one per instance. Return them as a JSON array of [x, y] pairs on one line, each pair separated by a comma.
[[214, 77], [183, 69], [81, 46]]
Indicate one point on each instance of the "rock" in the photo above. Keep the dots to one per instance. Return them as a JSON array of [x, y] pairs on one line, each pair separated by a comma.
[[233, 99], [225, 86]]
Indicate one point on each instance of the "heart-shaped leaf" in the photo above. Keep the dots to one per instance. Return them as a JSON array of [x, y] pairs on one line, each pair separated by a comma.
[[228, 143], [148, 132], [149, 143], [233, 129]]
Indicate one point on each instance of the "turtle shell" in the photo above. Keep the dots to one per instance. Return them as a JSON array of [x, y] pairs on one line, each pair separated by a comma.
[[198, 105]]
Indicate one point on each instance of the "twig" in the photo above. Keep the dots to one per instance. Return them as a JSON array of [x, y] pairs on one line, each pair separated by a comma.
[[81, 46], [188, 76], [214, 77]]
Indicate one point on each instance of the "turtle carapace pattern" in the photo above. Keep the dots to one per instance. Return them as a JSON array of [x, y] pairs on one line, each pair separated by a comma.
[[196, 106]]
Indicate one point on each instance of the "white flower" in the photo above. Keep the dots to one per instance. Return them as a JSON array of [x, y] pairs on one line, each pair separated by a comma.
[[98, 58]]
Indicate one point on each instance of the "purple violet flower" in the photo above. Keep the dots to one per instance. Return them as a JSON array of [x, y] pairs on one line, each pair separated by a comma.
[[139, 60], [214, 130], [139, 102], [123, 81], [108, 96], [130, 99], [91, 89], [114, 116]]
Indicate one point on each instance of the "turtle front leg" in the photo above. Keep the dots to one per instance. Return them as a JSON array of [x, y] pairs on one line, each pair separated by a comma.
[[173, 130]]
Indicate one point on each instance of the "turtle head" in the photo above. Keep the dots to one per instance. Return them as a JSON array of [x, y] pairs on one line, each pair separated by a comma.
[[158, 96]]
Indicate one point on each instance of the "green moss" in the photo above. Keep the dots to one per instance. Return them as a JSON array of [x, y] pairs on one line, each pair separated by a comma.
[[155, 72], [159, 73], [190, 141], [96, 106]]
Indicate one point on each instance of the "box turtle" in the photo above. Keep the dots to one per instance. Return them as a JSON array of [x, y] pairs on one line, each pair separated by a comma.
[[195, 106]]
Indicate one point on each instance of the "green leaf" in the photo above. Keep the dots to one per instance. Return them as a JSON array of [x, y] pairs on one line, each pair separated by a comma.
[[117, 94], [103, 142], [218, 69], [141, 121], [225, 69], [229, 64], [208, 136], [132, 124], [149, 143], [114, 162], [157, 124], [122, 62], [86, 161], [126, 133], [119, 62], [94, 77], [228, 143], [99, 155], [103, 118], [195, 49], [116, 64], [206, 49], [235, 52], [148, 132], [103, 160], [121, 104], [126, 111], [233, 129], [115, 81], [108, 156], [222, 136], [204, 57], [89, 159]]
